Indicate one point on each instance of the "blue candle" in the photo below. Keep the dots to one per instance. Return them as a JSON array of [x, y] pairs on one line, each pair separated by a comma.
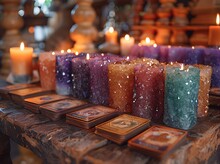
[[212, 58], [181, 97]]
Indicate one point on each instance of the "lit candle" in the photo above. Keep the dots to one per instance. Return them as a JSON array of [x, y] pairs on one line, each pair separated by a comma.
[[214, 33], [147, 42], [181, 96], [126, 44], [111, 36], [21, 62]]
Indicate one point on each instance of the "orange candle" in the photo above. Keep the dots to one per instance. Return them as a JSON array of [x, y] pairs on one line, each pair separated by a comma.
[[214, 33], [21, 62], [47, 63], [111, 36]]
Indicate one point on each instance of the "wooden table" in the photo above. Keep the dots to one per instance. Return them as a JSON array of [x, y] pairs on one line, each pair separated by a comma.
[[58, 142]]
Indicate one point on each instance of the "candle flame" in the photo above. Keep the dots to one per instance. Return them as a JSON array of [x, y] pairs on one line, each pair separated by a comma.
[[22, 46], [102, 54], [127, 58], [127, 37], [62, 51], [147, 40], [87, 57], [171, 63], [193, 47], [69, 51], [182, 67], [111, 29], [169, 46], [76, 53], [217, 19], [53, 53], [154, 45]]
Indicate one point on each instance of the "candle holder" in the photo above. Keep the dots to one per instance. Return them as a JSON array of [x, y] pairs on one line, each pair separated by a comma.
[[83, 32]]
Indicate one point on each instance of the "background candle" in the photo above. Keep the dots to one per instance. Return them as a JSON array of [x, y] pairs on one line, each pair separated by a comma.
[[214, 33], [47, 67], [181, 97], [204, 87], [111, 36], [126, 44], [194, 56], [164, 50], [21, 62], [212, 58], [150, 51], [177, 54], [121, 83], [64, 74], [148, 101]]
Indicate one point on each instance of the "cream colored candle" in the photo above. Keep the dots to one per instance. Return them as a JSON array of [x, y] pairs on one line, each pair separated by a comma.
[[21, 60], [111, 36], [214, 33], [126, 44]]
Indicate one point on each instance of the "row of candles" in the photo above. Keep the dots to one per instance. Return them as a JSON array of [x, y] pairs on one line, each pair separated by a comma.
[[174, 93]]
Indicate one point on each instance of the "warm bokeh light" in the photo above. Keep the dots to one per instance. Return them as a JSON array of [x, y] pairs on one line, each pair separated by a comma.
[[53, 53], [62, 51], [87, 56], [147, 40], [69, 51], [217, 19]]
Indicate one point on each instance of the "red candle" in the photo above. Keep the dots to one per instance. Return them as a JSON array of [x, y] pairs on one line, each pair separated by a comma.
[[214, 33], [148, 101]]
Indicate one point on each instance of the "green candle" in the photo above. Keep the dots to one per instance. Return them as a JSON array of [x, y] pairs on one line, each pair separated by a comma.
[[181, 97]]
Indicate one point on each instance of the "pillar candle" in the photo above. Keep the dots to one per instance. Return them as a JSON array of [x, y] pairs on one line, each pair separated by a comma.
[[81, 77], [204, 87], [135, 52], [126, 43], [148, 99], [150, 51], [214, 33], [21, 63], [99, 85], [111, 36], [121, 83], [181, 97], [177, 54], [195, 55], [64, 74], [47, 67], [212, 58], [164, 53]]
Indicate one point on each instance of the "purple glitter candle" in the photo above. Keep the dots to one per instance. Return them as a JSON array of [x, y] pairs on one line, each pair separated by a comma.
[[135, 52], [164, 50], [177, 54], [212, 58], [148, 99], [99, 85], [150, 51], [194, 56], [63, 74]]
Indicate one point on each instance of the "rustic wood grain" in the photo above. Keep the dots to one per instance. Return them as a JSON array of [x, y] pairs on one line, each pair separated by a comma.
[[58, 142]]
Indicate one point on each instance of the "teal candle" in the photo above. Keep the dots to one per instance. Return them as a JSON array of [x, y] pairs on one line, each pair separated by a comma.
[[181, 97]]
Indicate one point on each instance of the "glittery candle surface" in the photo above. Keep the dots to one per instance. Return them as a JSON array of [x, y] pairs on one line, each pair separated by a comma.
[[121, 83], [181, 97], [148, 99], [81, 78], [64, 74], [212, 58], [194, 56], [99, 85], [177, 54], [47, 70], [204, 87]]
